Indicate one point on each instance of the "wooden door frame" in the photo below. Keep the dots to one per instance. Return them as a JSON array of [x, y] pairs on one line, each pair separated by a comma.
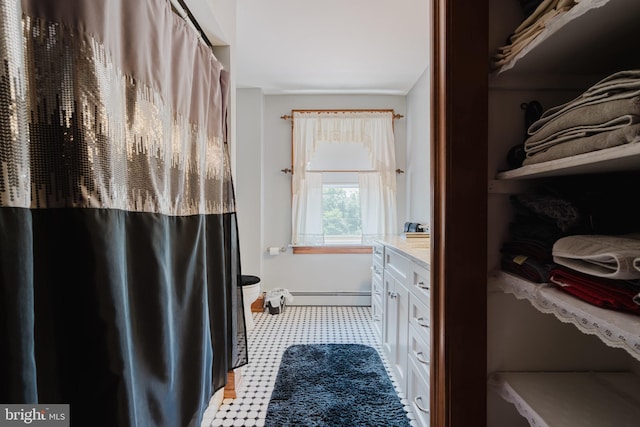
[[459, 77]]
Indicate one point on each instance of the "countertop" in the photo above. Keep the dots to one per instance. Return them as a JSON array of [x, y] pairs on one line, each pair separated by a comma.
[[418, 249]]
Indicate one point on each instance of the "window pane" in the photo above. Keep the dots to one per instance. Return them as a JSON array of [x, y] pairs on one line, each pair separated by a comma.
[[341, 214]]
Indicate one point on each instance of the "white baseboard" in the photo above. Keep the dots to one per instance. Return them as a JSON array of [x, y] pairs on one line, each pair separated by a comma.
[[331, 298]]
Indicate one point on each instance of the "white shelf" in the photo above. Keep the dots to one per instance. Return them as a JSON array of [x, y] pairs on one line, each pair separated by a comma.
[[616, 329], [615, 159], [570, 42], [567, 399]]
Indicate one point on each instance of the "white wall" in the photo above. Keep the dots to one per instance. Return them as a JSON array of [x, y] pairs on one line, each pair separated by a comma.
[[248, 181], [418, 179]]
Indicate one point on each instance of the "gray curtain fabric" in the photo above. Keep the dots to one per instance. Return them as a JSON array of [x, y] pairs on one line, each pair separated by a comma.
[[119, 258]]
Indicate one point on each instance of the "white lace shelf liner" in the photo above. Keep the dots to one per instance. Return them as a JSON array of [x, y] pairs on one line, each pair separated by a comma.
[[616, 329], [568, 399]]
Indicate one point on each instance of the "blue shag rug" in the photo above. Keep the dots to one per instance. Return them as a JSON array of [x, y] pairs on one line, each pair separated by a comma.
[[333, 385]]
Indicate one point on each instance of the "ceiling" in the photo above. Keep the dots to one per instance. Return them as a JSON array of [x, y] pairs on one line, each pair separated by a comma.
[[331, 46]]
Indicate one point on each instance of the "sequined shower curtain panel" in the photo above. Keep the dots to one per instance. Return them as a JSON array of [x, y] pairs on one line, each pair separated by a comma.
[[119, 258]]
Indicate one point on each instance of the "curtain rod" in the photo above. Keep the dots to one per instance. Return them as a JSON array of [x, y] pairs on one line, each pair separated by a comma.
[[188, 15], [287, 170], [287, 117]]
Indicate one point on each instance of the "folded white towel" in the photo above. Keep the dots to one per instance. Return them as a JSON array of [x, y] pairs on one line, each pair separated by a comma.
[[613, 257]]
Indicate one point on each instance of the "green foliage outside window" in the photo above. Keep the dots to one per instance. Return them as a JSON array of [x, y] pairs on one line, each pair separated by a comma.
[[341, 211]]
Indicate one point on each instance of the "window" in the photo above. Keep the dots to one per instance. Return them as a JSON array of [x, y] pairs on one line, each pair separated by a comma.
[[341, 214], [344, 187]]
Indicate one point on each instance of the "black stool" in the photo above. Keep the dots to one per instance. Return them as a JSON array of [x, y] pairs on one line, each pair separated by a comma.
[[249, 280]]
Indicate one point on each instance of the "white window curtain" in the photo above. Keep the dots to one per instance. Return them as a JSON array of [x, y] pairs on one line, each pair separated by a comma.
[[307, 205], [373, 129]]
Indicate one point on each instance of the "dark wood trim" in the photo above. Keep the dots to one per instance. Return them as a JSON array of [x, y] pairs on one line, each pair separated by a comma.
[[459, 213], [306, 250]]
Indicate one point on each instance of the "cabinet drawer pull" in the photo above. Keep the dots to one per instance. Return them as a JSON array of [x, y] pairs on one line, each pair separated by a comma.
[[422, 322], [422, 358], [417, 400], [422, 285]]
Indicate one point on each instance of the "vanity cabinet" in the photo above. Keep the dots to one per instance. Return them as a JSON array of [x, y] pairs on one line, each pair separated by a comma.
[[405, 316], [395, 328]]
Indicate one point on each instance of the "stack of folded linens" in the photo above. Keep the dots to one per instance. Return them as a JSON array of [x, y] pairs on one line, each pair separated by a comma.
[[604, 116], [533, 25], [618, 295], [600, 269], [541, 219]]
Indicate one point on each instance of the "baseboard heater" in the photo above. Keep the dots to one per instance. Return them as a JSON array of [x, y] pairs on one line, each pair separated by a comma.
[[331, 294]]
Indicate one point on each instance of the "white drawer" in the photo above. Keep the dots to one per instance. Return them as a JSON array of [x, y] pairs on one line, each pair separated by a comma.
[[376, 288], [397, 263], [377, 249], [419, 317], [376, 315], [376, 272], [421, 284], [418, 394], [420, 350]]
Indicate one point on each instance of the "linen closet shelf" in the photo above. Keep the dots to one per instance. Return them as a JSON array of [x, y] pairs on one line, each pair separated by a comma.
[[592, 40], [616, 329], [588, 399], [615, 159]]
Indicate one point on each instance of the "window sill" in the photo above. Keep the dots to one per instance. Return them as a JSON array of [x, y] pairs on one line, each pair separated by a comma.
[[338, 249]]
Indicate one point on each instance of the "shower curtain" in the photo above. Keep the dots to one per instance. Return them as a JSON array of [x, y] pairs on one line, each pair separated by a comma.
[[119, 257]]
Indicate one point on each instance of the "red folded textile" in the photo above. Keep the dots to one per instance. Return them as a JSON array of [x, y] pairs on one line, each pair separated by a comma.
[[605, 293]]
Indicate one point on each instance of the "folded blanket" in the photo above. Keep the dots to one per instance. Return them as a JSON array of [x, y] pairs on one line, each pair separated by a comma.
[[584, 116], [605, 293], [587, 144], [529, 29], [579, 132], [544, 8], [620, 85], [620, 81], [613, 257], [527, 267], [504, 54], [530, 248]]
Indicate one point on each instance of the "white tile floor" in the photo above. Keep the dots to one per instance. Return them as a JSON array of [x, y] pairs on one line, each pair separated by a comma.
[[268, 340]]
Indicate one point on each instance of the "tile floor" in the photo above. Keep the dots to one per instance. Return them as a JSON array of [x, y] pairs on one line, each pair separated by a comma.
[[268, 340]]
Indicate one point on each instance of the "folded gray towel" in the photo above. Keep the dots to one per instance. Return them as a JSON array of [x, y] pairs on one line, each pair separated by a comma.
[[599, 141], [621, 85], [613, 257], [619, 81], [584, 116], [532, 147]]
